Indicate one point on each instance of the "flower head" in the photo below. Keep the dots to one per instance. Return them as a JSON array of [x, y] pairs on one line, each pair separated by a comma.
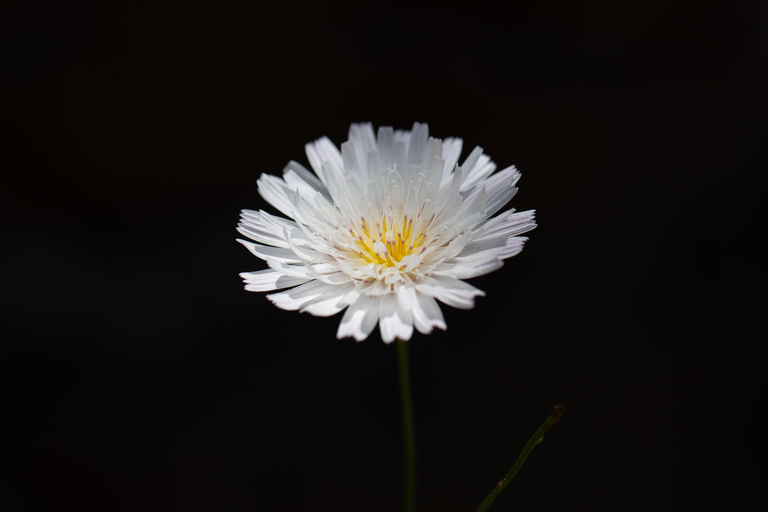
[[385, 228]]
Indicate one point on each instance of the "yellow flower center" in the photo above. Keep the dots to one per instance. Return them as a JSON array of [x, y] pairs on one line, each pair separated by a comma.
[[388, 241]]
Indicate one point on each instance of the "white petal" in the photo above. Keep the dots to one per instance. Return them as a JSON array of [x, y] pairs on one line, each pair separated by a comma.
[[266, 252], [277, 193], [431, 176], [314, 160], [501, 188], [306, 175], [301, 271], [295, 298], [329, 302], [449, 290], [451, 153], [266, 229], [268, 280], [403, 136], [507, 224], [482, 169], [400, 154], [259, 234], [301, 180], [330, 154], [418, 144], [433, 150], [448, 199], [395, 322], [469, 163], [278, 225], [308, 214], [376, 288], [385, 141], [360, 318], [467, 268], [303, 252], [335, 278], [514, 246], [361, 135], [349, 157], [406, 303], [472, 210], [327, 163], [333, 181], [427, 314], [372, 163], [495, 244]]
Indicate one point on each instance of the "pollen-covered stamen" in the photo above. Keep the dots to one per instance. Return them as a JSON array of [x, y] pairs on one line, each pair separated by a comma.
[[393, 238]]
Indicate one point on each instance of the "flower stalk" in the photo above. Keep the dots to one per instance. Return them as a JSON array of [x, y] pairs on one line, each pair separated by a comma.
[[554, 417], [409, 437]]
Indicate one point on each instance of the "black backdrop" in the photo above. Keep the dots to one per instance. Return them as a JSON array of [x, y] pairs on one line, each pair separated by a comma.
[[137, 374]]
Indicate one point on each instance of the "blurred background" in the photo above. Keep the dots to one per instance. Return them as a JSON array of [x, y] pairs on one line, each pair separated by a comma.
[[137, 374]]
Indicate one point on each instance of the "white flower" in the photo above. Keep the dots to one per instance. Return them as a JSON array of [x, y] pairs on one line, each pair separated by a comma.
[[384, 228]]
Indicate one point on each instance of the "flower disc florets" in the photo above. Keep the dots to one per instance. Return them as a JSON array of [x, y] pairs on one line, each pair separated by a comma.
[[383, 228]]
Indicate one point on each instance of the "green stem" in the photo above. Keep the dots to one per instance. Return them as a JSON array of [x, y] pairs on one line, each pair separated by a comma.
[[554, 417], [409, 439]]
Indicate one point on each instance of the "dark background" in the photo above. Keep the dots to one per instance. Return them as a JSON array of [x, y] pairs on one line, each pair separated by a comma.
[[138, 375]]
